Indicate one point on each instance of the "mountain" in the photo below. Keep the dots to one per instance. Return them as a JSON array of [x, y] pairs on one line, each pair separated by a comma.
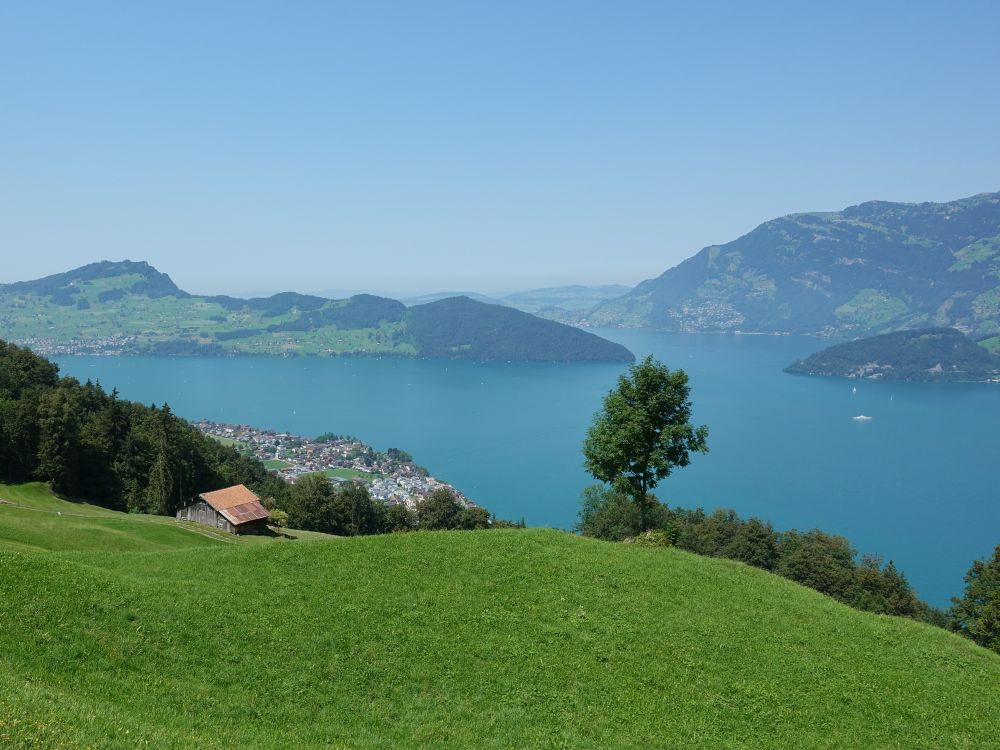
[[564, 304], [128, 307], [922, 354], [871, 268], [460, 328], [423, 299]]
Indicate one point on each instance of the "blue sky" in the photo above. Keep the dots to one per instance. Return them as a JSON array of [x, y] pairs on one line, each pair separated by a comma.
[[411, 147]]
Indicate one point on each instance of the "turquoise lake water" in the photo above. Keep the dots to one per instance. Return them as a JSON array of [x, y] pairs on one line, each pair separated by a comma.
[[917, 484]]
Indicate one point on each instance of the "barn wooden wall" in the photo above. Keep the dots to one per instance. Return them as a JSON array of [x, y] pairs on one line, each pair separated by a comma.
[[202, 512]]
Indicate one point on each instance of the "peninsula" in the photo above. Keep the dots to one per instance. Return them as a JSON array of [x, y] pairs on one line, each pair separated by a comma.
[[931, 354], [390, 476]]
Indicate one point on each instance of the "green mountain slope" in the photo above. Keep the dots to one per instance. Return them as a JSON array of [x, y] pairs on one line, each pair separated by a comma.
[[871, 268], [129, 307], [461, 328], [451, 639], [922, 354]]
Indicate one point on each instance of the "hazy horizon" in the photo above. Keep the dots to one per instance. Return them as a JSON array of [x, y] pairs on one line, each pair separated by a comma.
[[407, 150]]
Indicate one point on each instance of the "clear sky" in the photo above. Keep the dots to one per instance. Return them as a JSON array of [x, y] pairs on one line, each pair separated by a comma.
[[490, 146]]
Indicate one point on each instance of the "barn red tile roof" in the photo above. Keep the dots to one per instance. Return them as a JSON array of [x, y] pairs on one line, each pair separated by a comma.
[[237, 504]]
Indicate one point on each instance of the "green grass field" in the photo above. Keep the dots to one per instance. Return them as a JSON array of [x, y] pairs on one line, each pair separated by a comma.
[[494, 639], [33, 519], [352, 474], [273, 464]]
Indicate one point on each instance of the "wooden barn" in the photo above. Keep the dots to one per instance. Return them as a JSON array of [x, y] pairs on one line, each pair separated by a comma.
[[234, 509]]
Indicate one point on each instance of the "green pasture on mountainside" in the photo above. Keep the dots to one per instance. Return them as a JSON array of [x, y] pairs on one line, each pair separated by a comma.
[[345, 473], [493, 639]]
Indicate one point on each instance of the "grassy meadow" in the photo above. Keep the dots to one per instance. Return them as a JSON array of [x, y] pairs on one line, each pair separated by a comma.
[[494, 639], [33, 519]]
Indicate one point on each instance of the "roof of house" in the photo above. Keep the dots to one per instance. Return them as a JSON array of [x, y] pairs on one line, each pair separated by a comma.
[[238, 505]]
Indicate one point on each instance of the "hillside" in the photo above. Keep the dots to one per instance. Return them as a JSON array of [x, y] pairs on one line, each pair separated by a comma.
[[130, 308], [922, 354], [460, 328], [32, 519], [871, 268], [492, 639]]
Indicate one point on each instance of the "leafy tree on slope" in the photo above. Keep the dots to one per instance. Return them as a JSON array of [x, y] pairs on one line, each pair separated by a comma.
[[643, 432], [977, 613]]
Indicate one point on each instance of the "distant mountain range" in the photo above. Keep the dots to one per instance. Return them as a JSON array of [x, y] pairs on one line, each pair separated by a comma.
[[871, 268], [130, 307], [562, 303], [921, 354]]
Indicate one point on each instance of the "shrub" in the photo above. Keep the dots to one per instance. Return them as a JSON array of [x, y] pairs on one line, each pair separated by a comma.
[[608, 514], [651, 538]]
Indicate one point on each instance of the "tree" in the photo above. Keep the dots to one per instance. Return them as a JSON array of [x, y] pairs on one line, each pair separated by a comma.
[[59, 440], [356, 512], [400, 518], [643, 432], [754, 543], [977, 614], [473, 518], [311, 504], [820, 561], [439, 510], [607, 514]]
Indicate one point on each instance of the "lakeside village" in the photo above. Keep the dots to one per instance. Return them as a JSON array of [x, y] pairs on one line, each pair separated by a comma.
[[392, 477], [107, 346]]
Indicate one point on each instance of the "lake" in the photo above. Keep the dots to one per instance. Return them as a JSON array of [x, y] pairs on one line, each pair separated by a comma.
[[917, 484]]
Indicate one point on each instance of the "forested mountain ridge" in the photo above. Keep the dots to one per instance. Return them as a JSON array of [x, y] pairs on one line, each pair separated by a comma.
[[129, 307], [921, 354], [870, 268]]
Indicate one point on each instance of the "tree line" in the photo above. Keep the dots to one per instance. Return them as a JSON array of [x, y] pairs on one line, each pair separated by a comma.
[[348, 509]]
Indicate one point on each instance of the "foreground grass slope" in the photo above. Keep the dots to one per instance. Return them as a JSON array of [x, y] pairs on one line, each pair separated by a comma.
[[464, 639]]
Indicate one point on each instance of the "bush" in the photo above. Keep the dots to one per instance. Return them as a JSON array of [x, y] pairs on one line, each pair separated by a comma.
[[651, 538], [439, 510], [608, 514], [400, 518], [977, 614]]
